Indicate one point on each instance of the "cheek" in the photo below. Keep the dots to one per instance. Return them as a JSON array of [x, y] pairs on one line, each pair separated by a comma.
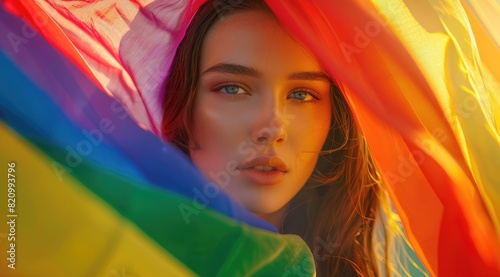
[[307, 135], [309, 128], [209, 157], [213, 126], [219, 132]]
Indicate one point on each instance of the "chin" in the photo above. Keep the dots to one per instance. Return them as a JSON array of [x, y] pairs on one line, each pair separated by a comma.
[[263, 207]]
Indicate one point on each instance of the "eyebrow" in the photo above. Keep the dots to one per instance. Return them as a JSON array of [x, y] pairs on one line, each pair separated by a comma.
[[233, 69], [309, 75], [238, 69]]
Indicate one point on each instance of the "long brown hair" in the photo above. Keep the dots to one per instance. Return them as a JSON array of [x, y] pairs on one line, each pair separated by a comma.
[[339, 201], [335, 211]]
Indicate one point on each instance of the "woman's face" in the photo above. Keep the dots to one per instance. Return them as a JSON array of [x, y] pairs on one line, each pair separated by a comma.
[[262, 111]]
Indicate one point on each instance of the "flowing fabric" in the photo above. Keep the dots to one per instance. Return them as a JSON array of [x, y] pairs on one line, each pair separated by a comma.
[[413, 76], [99, 196], [420, 77]]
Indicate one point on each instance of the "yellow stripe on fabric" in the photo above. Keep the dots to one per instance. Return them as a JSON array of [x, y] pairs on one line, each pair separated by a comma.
[[62, 229], [464, 77], [484, 25], [487, 11], [441, 41], [457, 76], [425, 42]]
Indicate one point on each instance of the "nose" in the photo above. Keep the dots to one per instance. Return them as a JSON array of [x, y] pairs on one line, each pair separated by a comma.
[[270, 128]]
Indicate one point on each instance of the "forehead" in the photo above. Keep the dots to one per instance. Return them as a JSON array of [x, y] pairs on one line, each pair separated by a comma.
[[254, 38]]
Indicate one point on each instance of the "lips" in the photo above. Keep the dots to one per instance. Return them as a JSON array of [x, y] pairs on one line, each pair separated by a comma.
[[266, 163], [264, 171]]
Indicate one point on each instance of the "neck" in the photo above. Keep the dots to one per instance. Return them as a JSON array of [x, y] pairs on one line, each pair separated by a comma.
[[275, 218]]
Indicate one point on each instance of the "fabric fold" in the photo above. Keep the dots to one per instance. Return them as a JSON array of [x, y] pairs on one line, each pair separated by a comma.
[[420, 77]]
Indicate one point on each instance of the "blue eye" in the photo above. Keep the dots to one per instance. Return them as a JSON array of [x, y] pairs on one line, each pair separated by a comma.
[[304, 95], [231, 89], [300, 95]]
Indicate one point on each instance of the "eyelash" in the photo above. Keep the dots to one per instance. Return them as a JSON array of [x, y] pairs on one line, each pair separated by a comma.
[[218, 87], [313, 93]]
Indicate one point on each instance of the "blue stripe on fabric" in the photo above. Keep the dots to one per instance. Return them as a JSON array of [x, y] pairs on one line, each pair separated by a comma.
[[127, 150]]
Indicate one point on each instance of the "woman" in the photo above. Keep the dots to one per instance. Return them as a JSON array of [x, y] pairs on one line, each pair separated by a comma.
[[257, 115], [419, 78]]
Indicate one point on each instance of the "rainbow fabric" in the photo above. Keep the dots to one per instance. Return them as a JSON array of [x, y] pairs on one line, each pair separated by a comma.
[[98, 194], [94, 197]]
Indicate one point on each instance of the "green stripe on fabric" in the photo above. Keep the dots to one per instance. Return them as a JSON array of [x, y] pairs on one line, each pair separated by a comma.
[[205, 241]]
